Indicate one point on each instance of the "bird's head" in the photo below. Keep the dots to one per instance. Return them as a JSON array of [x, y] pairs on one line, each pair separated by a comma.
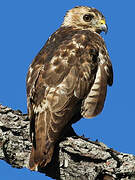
[[84, 17]]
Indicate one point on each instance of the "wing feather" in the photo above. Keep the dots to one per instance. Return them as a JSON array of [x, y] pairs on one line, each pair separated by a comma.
[[59, 78], [94, 102]]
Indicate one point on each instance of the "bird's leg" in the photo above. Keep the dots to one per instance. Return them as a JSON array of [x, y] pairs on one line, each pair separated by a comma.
[[68, 131]]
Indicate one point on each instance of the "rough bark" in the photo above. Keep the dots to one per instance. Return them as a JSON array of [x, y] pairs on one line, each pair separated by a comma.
[[75, 157]]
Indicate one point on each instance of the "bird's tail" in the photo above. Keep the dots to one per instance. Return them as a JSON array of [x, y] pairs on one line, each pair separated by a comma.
[[41, 160], [43, 147]]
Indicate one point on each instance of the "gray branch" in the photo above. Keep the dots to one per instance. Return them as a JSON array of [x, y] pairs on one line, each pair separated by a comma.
[[75, 157]]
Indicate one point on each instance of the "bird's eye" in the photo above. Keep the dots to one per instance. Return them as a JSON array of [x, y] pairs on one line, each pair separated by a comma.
[[87, 17]]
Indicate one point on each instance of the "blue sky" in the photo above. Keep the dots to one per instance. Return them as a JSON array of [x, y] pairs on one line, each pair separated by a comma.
[[24, 28]]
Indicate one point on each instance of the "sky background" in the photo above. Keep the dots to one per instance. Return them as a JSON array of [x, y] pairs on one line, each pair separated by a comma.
[[25, 26]]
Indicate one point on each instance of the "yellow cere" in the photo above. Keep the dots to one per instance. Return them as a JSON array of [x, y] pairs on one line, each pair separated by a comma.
[[102, 21]]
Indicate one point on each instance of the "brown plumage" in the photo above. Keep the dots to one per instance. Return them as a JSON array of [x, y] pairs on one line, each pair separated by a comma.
[[67, 80]]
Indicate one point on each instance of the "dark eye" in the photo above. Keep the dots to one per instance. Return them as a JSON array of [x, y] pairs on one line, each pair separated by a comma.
[[87, 17]]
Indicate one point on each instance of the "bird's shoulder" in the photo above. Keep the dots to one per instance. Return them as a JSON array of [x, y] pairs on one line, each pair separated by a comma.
[[68, 54], [67, 39]]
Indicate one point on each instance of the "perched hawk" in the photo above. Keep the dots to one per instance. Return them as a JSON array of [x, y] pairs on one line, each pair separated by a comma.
[[67, 80]]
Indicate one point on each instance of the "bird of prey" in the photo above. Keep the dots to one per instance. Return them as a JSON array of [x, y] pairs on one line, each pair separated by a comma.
[[67, 80]]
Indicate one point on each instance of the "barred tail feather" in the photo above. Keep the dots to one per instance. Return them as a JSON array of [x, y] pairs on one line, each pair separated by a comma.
[[42, 149]]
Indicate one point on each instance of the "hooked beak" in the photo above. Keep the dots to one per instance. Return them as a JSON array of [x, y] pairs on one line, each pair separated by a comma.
[[103, 26]]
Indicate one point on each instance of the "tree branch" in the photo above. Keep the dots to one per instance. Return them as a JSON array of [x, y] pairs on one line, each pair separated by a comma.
[[75, 158]]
